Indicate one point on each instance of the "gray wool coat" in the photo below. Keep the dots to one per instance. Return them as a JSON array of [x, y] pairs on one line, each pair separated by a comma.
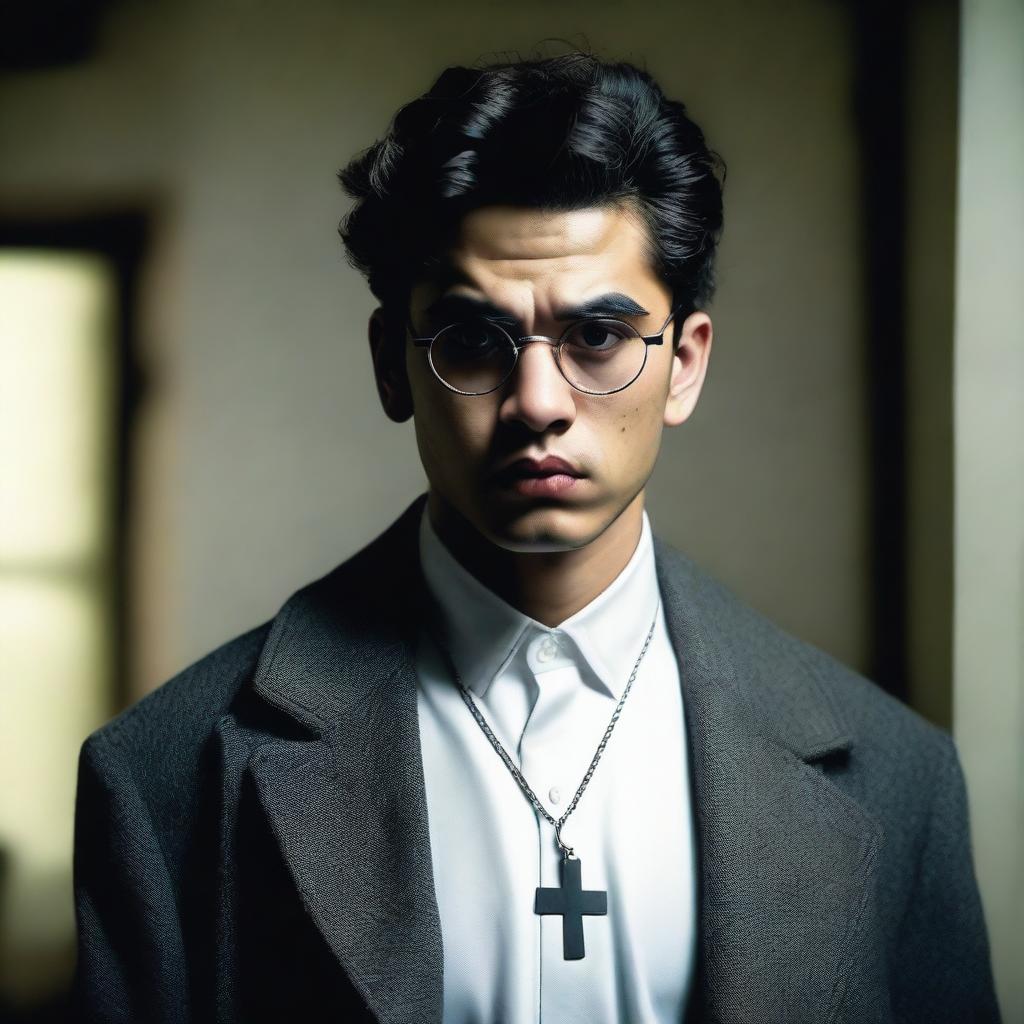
[[251, 839]]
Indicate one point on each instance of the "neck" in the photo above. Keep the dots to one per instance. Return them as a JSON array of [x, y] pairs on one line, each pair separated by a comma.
[[549, 586]]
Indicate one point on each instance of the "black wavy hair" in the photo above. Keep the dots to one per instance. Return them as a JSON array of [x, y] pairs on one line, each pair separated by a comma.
[[556, 133]]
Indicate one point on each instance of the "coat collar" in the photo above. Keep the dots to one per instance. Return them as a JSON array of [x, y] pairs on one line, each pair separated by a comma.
[[786, 859]]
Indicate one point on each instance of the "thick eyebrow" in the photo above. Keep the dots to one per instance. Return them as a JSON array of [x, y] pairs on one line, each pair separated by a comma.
[[456, 306], [611, 304]]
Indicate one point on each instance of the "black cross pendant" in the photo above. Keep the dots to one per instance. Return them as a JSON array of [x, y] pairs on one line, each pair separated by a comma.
[[572, 901]]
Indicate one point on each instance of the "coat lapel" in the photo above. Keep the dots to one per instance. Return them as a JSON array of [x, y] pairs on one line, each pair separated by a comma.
[[787, 859], [347, 802]]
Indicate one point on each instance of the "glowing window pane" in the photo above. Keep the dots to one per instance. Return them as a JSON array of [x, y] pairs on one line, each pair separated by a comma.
[[56, 315], [57, 394]]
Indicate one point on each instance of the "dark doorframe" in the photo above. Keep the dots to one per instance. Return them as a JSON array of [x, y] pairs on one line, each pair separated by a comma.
[[880, 40]]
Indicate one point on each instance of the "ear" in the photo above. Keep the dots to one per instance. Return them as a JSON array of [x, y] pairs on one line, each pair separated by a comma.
[[387, 350], [689, 367]]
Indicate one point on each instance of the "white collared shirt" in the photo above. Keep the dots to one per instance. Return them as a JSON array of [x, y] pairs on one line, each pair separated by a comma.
[[548, 695]]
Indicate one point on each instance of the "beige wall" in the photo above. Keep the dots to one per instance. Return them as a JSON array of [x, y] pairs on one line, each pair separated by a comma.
[[263, 458], [988, 691]]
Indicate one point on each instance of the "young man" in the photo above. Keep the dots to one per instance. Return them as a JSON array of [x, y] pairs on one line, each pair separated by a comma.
[[518, 760]]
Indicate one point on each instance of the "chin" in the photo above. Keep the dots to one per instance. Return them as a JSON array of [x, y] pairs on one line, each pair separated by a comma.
[[544, 528]]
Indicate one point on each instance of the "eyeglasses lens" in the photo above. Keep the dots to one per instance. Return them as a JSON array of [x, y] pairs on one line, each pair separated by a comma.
[[473, 357], [600, 356], [596, 356]]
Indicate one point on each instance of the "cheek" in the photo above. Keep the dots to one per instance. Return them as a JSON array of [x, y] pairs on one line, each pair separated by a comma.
[[632, 434], [452, 432], [636, 419]]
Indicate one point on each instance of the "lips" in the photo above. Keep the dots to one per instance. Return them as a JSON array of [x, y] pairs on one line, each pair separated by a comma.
[[550, 465], [550, 478]]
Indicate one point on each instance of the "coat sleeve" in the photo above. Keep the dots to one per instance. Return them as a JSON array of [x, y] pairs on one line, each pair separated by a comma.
[[942, 971], [131, 964]]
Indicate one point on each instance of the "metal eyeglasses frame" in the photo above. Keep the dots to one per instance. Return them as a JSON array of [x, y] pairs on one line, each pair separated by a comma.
[[556, 343]]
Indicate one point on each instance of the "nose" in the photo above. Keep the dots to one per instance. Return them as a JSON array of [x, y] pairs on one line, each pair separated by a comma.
[[537, 394]]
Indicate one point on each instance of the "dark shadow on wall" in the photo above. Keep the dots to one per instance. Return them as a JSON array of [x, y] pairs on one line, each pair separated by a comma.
[[54, 1008], [48, 33], [905, 108], [880, 44]]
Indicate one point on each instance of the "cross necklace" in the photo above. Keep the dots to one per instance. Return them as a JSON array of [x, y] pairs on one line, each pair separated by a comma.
[[570, 900]]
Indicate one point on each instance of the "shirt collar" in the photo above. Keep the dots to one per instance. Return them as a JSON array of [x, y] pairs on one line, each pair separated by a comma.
[[483, 633]]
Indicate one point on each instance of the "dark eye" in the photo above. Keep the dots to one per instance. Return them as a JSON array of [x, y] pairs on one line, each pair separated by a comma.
[[473, 336], [599, 335]]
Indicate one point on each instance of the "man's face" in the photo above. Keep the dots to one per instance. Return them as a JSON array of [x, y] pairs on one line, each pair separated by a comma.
[[534, 266]]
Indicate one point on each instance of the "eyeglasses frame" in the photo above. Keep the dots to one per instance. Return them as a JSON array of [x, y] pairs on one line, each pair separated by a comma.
[[556, 343]]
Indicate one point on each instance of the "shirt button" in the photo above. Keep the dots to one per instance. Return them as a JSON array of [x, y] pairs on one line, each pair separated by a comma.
[[554, 794], [547, 650]]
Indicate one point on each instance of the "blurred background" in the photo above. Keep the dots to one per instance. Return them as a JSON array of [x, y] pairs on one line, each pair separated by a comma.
[[189, 429]]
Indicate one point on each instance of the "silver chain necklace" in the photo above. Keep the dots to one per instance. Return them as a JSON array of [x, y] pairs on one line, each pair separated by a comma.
[[571, 901]]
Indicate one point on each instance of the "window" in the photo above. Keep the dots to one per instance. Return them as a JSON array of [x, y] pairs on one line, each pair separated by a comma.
[[58, 401]]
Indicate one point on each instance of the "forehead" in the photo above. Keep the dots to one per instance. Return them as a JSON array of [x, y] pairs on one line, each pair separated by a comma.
[[532, 260]]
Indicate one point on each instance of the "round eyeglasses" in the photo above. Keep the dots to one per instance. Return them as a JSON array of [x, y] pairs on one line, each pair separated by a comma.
[[597, 356]]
